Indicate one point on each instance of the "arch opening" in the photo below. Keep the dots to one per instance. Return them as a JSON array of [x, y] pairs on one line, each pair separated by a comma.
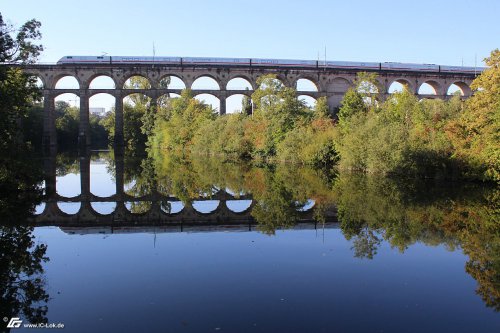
[[67, 82], [102, 180], [101, 117], [172, 207], [238, 103], [205, 83], [69, 208], [209, 99], [238, 206], [103, 208], [309, 101], [306, 85], [239, 83], [172, 82], [67, 114], [138, 207], [102, 82], [428, 88], [460, 88], [137, 82], [205, 206], [398, 86]]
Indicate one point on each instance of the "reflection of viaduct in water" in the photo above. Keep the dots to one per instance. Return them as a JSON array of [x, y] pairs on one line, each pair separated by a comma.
[[329, 83], [121, 216]]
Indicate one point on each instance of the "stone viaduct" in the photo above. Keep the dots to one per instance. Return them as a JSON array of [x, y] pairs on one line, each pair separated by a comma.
[[330, 83]]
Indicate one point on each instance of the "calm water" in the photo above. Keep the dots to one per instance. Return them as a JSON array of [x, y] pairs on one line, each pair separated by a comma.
[[122, 244]]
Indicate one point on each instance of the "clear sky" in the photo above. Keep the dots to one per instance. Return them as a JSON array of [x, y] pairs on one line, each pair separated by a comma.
[[424, 31]]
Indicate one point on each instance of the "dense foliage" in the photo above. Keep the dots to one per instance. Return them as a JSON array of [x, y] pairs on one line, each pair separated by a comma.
[[282, 128]]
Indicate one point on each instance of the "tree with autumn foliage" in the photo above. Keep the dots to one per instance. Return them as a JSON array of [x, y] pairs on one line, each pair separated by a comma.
[[476, 135]]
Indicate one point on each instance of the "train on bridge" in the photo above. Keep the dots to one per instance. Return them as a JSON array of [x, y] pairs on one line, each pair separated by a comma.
[[279, 63]]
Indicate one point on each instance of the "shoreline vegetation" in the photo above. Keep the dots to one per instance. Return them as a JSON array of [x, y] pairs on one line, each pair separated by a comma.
[[400, 136]]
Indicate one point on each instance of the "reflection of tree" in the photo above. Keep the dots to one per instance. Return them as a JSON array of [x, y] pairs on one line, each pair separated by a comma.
[[405, 213], [21, 281], [22, 286]]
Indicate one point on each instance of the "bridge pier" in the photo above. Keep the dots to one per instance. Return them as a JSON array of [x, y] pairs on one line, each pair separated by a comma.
[[49, 120], [119, 138], [84, 127]]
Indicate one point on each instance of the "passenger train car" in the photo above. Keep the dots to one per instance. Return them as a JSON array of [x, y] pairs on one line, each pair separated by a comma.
[[247, 62]]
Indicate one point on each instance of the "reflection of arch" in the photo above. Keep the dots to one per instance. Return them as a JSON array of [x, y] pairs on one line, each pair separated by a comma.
[[461, 87], [172, 207], [107, 82], [239, 206], [338, 84], [103, 208], [176, 82], [69, 208], [205, 206], [136, 205], [205, 82], [239, 83], [65, 79], [306, 84], [127, 81], [423, 89]]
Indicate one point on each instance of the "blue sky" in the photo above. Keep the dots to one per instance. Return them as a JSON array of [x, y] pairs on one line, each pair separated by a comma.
[[443, 32]]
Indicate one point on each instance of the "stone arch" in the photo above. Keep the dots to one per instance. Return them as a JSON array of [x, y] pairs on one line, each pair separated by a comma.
[[40, 81], [306, 84], [309, 100], [338, 84], [463, 88], [63, 80], [98, 81], [423, 88], [207, 82], [243, 84], [249, 78], [131, 76], [234, 103], [399, 85], [176, 82], [209, 99]]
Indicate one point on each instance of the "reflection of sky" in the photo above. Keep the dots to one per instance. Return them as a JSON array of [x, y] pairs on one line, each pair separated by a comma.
[[69, 207], [101, 181], [296, 281], [68, 185], [104, 208]]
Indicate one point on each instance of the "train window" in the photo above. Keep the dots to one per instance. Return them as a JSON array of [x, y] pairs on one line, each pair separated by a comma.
[[69, 57], [100, 57]]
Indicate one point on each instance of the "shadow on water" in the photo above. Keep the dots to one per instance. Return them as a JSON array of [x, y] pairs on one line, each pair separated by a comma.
[[167, 191], [22, 284]]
